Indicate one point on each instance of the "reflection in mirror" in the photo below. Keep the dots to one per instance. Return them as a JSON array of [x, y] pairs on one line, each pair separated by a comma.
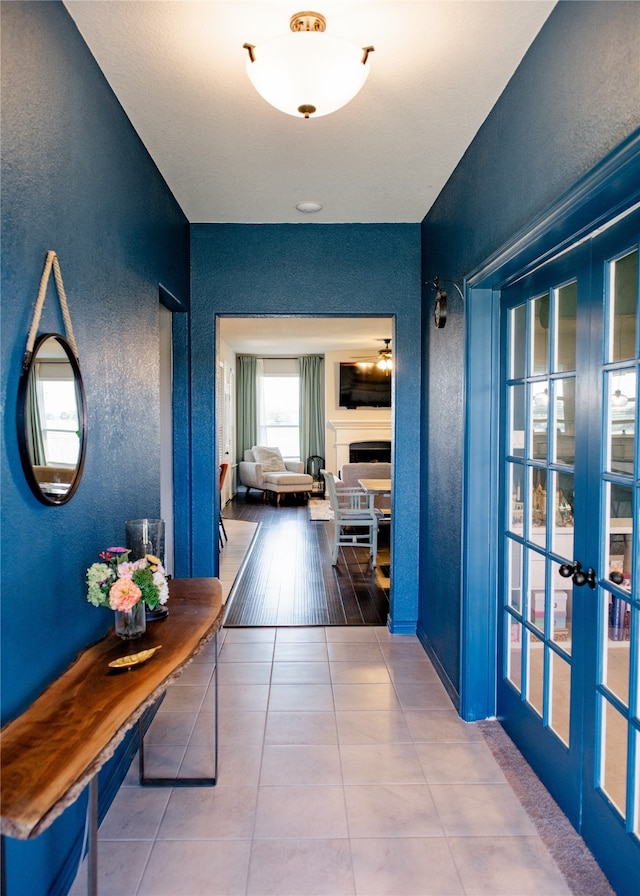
[[52, 420]]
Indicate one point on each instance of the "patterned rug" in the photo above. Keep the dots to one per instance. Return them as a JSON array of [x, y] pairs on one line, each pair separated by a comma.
[[319, 510]]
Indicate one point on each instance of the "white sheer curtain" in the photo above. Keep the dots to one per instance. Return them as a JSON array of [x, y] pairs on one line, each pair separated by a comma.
[[277, 411]]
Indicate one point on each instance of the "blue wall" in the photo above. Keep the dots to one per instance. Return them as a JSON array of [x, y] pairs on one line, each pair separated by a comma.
[[75, 179], [575, 96], [347, 269]]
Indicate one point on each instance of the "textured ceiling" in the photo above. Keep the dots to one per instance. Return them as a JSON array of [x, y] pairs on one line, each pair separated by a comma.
[[178, 69]]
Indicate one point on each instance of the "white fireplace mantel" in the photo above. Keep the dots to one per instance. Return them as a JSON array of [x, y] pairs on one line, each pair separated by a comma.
[[348, 431]]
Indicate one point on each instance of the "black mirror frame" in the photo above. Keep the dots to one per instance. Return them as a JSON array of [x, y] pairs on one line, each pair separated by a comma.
[[23, 444]]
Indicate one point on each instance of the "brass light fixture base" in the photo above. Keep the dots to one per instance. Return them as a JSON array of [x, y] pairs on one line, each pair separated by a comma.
[[308, 21]]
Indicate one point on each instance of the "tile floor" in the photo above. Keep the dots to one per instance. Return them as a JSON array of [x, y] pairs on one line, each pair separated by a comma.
[[343, 770]]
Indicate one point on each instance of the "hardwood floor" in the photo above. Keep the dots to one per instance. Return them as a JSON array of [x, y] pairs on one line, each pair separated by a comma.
[[288, 578]]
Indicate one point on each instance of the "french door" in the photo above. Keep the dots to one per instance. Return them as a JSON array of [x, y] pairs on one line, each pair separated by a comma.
[[569, 640]]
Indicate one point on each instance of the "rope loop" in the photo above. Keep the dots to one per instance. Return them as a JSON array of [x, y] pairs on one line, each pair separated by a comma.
[[51, 261]]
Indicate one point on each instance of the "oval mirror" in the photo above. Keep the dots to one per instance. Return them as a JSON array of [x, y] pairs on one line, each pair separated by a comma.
[[52, 420]]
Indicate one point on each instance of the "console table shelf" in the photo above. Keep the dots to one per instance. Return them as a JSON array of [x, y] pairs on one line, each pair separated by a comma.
[[58, 745]]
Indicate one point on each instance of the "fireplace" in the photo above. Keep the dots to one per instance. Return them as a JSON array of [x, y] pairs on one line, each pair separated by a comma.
[[370, 452], [351, 430]]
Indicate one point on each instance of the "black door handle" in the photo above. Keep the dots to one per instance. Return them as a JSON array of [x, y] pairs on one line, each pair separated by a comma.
[[578, 574]]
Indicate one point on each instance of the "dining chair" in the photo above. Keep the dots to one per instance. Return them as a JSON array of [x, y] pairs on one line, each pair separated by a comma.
[[355, 521]]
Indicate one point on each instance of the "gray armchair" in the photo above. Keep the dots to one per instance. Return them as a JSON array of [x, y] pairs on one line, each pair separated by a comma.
[[264, 469]]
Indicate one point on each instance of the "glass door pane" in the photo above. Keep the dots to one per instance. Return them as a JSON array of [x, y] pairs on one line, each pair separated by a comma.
[[618, 676], [540, 485]]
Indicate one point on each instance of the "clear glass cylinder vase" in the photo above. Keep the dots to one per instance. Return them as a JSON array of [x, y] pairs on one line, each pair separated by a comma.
[[130, 624], [145, 537]]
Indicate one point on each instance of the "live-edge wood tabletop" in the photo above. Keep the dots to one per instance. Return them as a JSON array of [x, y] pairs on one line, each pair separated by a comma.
[[51, 751]]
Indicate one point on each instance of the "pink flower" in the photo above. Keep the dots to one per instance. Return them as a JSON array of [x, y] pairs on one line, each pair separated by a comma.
[[126, 570], [124, 595]]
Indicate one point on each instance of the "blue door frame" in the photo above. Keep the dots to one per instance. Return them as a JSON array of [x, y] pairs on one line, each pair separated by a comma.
[[608, 191]]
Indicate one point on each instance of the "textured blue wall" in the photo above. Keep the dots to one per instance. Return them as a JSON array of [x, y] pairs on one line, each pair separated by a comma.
[[574, 97], [76, 179], [346, 269]]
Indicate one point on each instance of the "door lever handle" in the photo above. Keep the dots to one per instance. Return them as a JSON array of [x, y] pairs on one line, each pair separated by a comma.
[[578, 574]]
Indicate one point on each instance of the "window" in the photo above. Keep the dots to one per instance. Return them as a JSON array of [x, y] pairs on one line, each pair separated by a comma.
[[279, 405], [55, 395]]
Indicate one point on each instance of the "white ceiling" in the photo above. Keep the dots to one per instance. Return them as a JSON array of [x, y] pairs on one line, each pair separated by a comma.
[[178, 69], [305, 336]]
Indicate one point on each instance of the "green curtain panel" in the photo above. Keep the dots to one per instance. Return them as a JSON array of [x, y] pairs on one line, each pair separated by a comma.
[[311, 406], [246, 404]]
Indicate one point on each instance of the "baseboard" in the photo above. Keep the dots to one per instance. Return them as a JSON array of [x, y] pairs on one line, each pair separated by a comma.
[[439, 668]]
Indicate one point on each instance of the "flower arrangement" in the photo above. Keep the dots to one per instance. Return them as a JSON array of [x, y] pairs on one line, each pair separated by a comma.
[[120, 584]]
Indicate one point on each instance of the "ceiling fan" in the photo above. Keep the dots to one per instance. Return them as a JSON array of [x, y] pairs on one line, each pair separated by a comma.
[[383, 360]]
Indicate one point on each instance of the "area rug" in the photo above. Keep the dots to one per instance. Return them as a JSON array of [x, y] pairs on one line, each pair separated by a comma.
[[580, 870], [288, 580], [320, 511]]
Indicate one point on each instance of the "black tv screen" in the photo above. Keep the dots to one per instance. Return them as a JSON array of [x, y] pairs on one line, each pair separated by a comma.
[[364, 386]]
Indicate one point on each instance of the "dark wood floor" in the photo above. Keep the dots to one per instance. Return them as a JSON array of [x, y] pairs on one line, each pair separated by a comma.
[[288, 578]]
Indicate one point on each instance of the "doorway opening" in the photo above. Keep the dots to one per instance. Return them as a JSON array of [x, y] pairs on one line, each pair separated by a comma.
[[339, 340]]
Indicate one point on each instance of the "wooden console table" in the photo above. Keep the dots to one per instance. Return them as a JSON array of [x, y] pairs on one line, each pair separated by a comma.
[[57, 746]]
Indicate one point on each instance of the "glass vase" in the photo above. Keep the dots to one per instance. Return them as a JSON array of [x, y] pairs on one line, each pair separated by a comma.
[[131, 623], [145, 537]]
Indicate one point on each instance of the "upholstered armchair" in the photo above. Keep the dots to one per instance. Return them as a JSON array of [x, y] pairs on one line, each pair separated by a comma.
[[265, 470]]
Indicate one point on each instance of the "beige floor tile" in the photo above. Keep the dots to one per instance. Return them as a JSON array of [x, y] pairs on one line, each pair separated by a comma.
[[352, 633], [301, 728], [470, 763], [477, 810], [441, 726], [224, 812], [195, 673], [244, 673], [183, 698], [381, 764], [135, 814], [121, 865], [372, 727], [250, 635], [502, 866], [412, 671], [391, 810], [300, 651], [343, 770], [305, 634], [300, 764], [405, 867], [300, 868], [359, 673], [365, 697], [171, 728], [300, 673], [159, 762], [414, 695], [237, 696], [236, 726], [298, 812], [316, 697], [355, 652], [246, 651], [195, 868]]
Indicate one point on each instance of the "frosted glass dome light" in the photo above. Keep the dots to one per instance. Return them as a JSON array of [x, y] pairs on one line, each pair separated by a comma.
[[307, 72]]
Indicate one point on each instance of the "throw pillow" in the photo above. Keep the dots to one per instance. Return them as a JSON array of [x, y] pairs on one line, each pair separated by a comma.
[[270, 459]]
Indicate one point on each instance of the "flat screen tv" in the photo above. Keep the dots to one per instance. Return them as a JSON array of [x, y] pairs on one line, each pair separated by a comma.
[[364, 386]]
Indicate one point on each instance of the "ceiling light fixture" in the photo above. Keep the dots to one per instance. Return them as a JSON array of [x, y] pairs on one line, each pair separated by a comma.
[[385, 363], [309, 207], [307, 72], [619, 400]]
